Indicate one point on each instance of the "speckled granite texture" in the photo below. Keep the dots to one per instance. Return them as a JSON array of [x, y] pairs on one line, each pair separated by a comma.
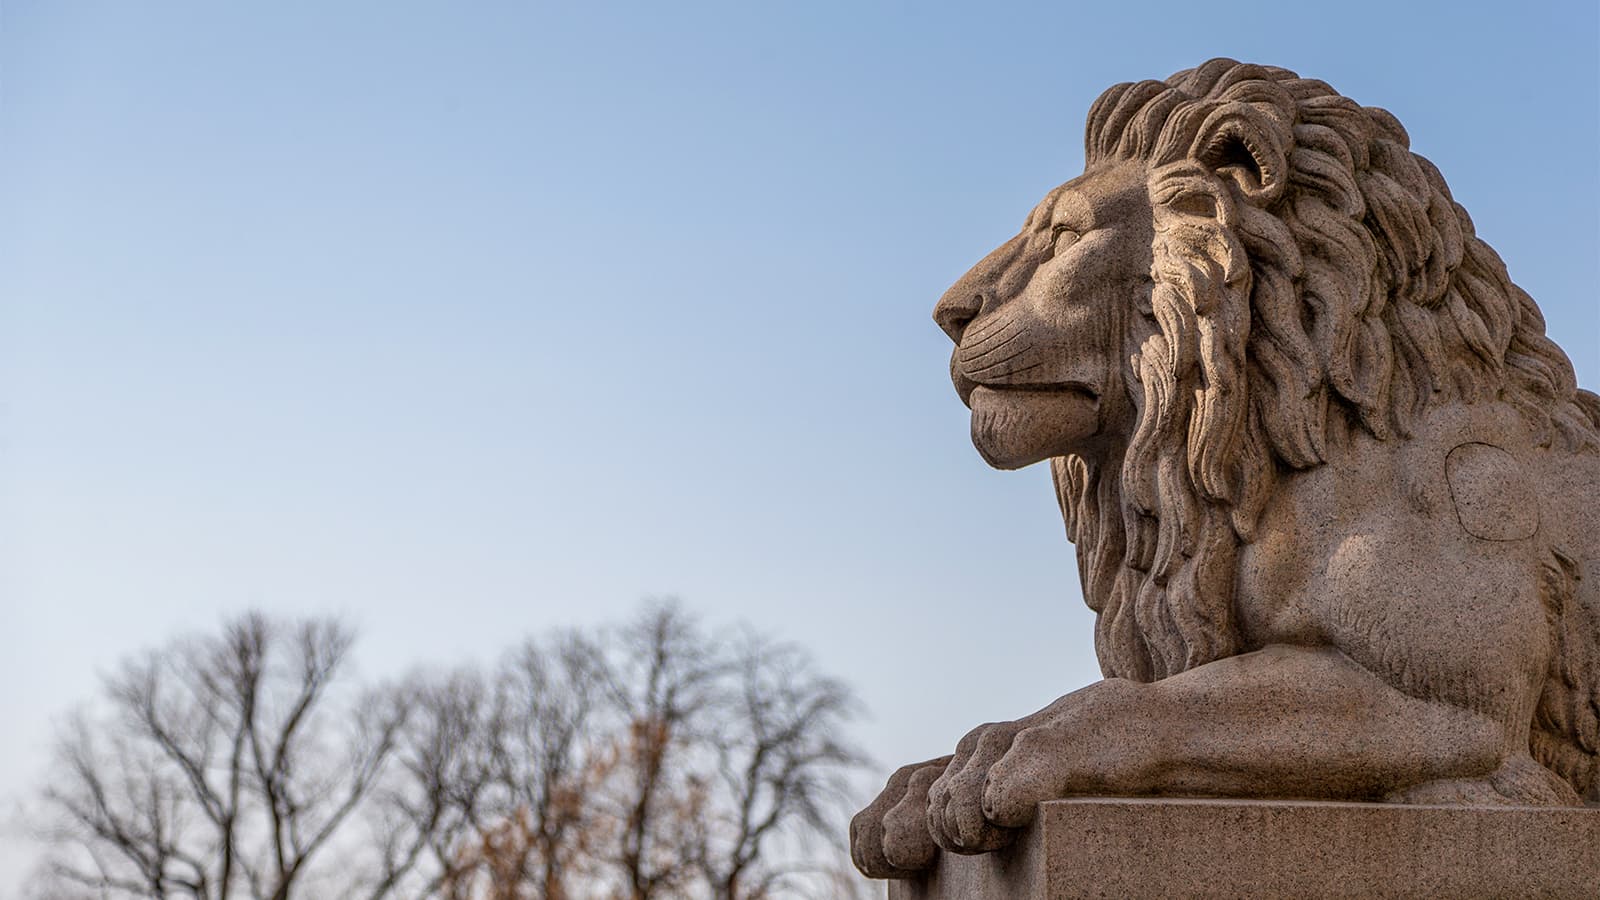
[[1242, 848]]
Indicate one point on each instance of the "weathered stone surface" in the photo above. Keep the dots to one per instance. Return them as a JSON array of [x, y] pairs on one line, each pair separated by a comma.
[[1335, 494], [1242, 848]]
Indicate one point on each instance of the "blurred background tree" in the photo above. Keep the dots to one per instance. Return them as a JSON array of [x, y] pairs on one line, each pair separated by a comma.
[[654, 759], [224, 765]]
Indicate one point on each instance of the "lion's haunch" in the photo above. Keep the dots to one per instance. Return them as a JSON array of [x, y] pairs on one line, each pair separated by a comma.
[[1015, 428]]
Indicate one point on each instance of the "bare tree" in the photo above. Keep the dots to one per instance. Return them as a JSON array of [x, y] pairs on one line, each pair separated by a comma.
[[649, 761], [662, 680], [781, 771], [546, 763], [493, 864], [731, 765], [434, 799], [537, 825], [223, 766]]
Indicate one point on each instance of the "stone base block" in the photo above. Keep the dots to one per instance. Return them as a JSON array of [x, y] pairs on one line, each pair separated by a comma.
[[1242, 848]]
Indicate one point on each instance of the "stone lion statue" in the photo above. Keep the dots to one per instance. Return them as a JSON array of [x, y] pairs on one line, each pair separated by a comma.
[[1335, 495]]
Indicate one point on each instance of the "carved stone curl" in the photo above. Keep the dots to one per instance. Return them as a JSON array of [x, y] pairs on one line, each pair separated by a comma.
[[1335, 495]]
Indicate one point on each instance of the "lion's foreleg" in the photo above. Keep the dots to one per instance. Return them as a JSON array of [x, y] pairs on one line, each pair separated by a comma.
[[1279, 722]]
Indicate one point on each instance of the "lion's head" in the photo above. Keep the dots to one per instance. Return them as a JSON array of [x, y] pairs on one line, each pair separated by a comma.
[[1251, 267]]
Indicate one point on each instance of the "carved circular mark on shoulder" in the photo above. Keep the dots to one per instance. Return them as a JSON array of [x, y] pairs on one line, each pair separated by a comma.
[[1494, 499]]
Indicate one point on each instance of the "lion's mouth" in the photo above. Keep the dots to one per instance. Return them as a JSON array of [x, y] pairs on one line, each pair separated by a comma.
[[965, 386]]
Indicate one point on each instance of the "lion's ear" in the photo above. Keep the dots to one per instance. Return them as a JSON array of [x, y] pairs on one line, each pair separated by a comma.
[[1241, 143]]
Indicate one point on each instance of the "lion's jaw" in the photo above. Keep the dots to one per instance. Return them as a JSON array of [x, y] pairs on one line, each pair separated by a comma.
[[1039, 324], [1013, 427]]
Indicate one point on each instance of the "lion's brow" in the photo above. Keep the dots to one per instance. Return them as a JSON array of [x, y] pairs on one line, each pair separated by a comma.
[[1041, 213], [1078, 210]]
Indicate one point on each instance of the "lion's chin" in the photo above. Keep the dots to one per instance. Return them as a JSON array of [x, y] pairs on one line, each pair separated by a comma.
[[1014, 427]]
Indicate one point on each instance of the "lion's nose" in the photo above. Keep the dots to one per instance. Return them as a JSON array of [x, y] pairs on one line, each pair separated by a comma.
[[975, 291], [956, 309]]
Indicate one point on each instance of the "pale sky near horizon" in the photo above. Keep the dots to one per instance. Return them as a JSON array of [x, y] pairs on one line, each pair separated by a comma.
[[469, 320]]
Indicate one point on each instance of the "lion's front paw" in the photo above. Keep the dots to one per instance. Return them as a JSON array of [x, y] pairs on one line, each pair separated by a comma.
[[956, 815], [999, 775], [889, 839]]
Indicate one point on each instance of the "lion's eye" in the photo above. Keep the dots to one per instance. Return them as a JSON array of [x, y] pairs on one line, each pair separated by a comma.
[[1062, 237]]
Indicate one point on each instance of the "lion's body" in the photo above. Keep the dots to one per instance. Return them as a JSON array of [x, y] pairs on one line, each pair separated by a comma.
[[1438, 565], [1335, 495]]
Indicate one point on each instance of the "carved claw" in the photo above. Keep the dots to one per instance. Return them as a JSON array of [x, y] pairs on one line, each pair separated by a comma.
[[889, 839], [955, 802], [1028, 773]]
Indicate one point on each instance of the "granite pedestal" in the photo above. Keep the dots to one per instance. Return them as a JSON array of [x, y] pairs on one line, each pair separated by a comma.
[[1232, 848]]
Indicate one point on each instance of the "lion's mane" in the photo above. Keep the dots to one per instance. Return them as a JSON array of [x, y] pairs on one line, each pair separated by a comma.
[[1337, 287]]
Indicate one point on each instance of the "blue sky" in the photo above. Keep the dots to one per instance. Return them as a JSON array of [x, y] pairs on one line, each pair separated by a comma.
[[466, 320]]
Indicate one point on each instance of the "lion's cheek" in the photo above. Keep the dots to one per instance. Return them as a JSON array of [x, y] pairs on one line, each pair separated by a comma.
[[1016, 428]]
